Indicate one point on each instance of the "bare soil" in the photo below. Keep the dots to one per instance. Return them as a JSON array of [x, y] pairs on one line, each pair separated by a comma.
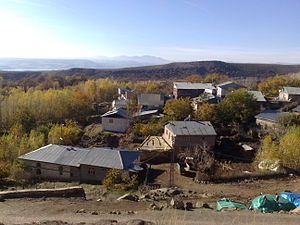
[[18, 211]]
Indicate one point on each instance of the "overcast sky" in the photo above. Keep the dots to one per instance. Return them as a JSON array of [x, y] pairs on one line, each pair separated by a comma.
[[179, 30]]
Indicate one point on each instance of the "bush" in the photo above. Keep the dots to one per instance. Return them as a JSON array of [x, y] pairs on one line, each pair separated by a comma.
[[287, 149], [116, 179]]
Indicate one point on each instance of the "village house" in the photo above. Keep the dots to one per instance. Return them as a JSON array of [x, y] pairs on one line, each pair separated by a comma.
[[190, 133], [288, 94], [116, 120], [116, 104], [205, 98], [58, 162], [192, 90], [125, 93], [155, 148], [226, 87], [268, 118], [150, 101], [260, 99]]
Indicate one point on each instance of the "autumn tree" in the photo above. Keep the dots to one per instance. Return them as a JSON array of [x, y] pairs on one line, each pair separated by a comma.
[[195, 78], [66, 134], [178, 108], [215, 78], [238, 106], [286, 150], [272, 85], [206, 112]]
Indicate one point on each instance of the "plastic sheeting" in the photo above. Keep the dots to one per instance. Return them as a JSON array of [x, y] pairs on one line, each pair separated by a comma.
[[292, 197], [271, 203], [226, 203]]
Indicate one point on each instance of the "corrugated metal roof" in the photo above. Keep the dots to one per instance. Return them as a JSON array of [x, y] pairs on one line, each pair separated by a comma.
[[191, 128], [258, 96], [74, 156], [292, 90], [187, 85], [144, 113], [120, 112], [229, 84], [271, 115], [151, 99], [297, 109]]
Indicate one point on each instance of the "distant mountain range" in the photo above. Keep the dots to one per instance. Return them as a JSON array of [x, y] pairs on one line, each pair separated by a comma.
[[24, 64], [167, 71]]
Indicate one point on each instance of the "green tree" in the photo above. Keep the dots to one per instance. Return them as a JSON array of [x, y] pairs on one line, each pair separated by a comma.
[[238, 106], [178, 108]]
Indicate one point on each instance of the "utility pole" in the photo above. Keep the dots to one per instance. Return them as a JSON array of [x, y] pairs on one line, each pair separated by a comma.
[[172, 169], [61, 139]]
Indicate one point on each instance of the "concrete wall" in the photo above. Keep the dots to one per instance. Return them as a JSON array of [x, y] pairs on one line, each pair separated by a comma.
[[40, 193], [115, 124]]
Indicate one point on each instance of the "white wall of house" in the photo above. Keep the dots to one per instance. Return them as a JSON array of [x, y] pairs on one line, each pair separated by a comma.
[[283, 96], [115, 124], [221, 92]]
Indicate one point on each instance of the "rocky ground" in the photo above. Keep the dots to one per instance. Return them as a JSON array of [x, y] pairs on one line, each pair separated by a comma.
[[190, 203]]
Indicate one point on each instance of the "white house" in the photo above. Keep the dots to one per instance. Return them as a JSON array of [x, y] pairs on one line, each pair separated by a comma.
[[287, 94], [116, 120]]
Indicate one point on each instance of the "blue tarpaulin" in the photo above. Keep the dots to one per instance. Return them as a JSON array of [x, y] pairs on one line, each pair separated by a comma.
[[292, 197]]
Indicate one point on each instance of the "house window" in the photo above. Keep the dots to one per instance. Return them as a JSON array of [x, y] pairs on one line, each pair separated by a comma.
[[110, 120], [38, 172], [60, 169], [91, 171], [38, 169]]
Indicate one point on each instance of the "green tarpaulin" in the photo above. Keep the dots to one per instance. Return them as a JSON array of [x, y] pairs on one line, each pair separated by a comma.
[[226, 203], [271, 203]]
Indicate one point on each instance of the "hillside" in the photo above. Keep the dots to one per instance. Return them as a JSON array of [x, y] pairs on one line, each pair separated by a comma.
[[167, 71]]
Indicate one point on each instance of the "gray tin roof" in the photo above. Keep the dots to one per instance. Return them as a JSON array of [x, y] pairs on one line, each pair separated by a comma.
[[151, 99], [191, 128], [145, 113], [229, 84], [116, 113], [292, 90], [271, 115], [188, 85], [297, 109], [74, 156], [258, 96]]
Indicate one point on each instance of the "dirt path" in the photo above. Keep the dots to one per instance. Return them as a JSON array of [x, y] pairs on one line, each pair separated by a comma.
[[26, 211], [17, 211]]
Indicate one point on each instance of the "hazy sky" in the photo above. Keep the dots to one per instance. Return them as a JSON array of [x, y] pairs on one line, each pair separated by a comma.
[[179, 30]]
